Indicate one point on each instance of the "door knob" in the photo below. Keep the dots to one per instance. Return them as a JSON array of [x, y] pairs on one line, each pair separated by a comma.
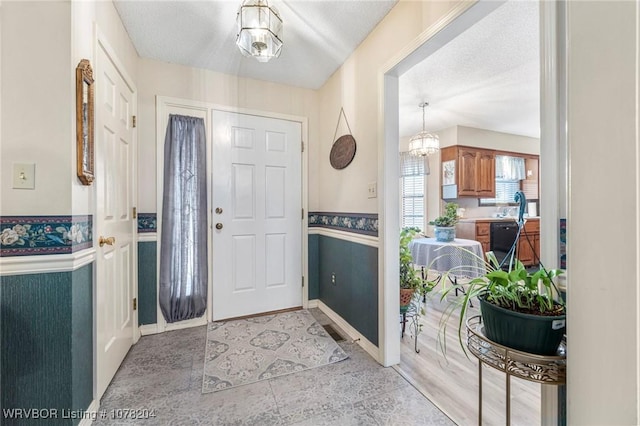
[[108, 241], [218, 226]]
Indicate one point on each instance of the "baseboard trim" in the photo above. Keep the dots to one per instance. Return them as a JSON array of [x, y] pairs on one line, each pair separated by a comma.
[[44, 264], [148, 329], [91, 413], [353, 334], [196, 322], [313, 303]]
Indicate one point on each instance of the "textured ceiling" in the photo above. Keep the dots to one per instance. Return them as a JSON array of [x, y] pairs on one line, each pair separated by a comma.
[[488, 77], [318, 36]]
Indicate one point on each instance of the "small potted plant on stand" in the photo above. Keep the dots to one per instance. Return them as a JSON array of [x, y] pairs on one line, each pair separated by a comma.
[[410, 280], [412, 284], [445, 225]]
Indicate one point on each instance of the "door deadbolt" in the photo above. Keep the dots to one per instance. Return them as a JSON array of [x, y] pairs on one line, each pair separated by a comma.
[[218, 226], [218, 210]]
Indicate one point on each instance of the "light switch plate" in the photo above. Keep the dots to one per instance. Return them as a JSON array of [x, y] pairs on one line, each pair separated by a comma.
[[24, 176], [372, 192]]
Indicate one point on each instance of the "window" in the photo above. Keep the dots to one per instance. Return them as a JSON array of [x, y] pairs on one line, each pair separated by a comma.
[[412, 189], [509, 172], [505, 191]]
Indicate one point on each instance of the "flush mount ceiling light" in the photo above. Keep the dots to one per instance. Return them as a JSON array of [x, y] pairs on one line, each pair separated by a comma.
[[424, 143], [259, 30]]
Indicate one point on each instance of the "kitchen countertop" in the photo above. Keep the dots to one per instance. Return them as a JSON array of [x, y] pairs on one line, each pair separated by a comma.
[[495, 219]]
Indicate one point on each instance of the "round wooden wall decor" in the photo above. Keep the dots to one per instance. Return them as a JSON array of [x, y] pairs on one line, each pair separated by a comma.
[[342, 152]]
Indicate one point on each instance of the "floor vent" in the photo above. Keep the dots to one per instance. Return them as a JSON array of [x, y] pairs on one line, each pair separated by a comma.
[[333, 333]]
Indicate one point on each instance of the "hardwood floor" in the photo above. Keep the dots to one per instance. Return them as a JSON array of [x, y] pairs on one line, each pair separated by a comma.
[[452, 383]]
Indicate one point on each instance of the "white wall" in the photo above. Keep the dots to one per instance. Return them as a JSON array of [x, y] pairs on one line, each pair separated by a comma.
[[164, 79], [603, 217], [36, 106], [354, 86], [87, 17], [42, 43], [482, 138]]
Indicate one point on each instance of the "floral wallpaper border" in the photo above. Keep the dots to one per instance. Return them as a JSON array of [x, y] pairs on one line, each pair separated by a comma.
[[358, 223], [38, 235], [147, 222]]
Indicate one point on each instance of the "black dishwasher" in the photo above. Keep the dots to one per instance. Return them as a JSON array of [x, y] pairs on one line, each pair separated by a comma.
[[503, 235]]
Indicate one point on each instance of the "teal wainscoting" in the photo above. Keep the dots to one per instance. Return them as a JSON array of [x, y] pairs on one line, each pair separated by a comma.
[[354, 296], [46, 322], [147, 283], [314, 278]]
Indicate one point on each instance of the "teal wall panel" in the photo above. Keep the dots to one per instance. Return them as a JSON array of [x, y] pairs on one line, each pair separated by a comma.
[[82, 338], [354, 296], [47, 342], [36, 342], [314, 278], [147, 283]]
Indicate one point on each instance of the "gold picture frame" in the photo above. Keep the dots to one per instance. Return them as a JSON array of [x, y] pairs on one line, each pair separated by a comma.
[[84, 122]]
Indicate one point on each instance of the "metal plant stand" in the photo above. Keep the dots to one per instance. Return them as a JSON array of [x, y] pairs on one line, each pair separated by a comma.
[[410, 314], [545, 369]]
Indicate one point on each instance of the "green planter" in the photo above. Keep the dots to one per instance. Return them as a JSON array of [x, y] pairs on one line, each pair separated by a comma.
[[524, 332]]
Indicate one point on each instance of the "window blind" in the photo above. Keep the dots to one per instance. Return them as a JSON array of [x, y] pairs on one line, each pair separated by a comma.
[[505, 191], [412, 189]]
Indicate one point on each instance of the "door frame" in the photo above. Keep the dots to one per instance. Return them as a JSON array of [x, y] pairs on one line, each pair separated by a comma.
[[163, 103], [101, 42], [552, 140]]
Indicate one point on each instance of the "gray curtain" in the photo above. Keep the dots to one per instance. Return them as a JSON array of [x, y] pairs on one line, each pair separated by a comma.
[[510, 168], [183, 244]]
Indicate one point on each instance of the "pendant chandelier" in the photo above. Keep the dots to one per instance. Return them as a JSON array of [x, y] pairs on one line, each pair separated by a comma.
[[259, 30], [424, 143]]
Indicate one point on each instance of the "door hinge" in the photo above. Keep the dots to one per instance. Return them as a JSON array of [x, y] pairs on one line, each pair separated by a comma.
[[135, 213], [135, 303], [302, 281], [302, 144], [302, 216], [134, 121]]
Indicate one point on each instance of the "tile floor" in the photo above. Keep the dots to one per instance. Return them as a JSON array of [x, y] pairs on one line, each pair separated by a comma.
[[163, 373]]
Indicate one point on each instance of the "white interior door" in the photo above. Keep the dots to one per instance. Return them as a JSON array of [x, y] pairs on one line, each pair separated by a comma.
[[115, 154], [257, 252]]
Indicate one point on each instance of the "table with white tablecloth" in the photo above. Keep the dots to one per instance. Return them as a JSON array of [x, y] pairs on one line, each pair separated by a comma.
[[460, 257]]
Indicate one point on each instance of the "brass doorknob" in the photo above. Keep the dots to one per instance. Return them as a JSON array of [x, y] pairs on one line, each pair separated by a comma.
[[218, 226], [108, 241]]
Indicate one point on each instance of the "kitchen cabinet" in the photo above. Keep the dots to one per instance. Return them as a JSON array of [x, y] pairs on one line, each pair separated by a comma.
[[528, 249], [475, 230], [467, 172]]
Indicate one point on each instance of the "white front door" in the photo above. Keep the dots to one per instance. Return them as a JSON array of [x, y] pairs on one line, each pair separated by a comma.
[[257, 185], [115, 155]]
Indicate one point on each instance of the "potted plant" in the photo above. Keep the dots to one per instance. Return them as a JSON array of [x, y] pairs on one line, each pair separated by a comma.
[[410, 280], [445, 225], [518, 307]]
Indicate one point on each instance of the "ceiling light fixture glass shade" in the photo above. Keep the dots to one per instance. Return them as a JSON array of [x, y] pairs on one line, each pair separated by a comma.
[[259, 30], [424, 143]]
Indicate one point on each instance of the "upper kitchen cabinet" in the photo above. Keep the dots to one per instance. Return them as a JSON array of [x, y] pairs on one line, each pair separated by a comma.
[[467, 172]]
